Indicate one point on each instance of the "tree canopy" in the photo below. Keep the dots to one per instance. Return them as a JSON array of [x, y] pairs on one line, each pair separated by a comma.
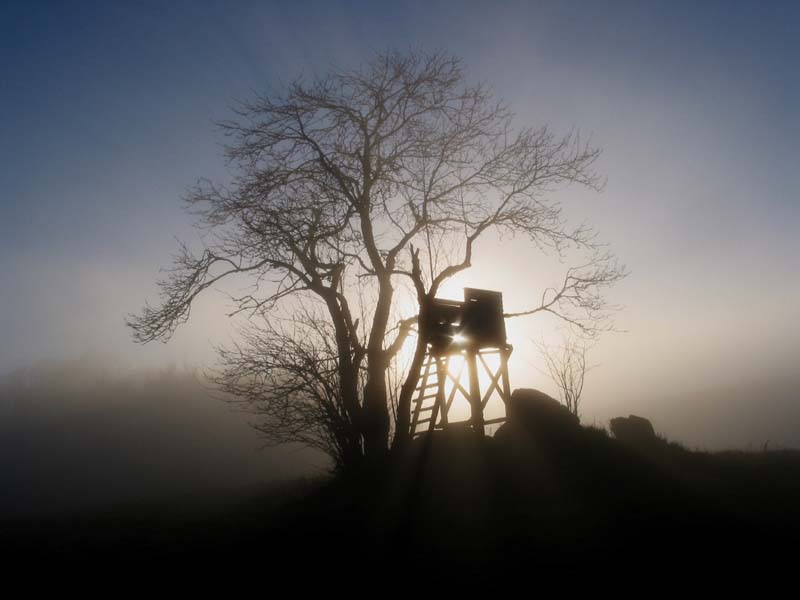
[[353, 197]]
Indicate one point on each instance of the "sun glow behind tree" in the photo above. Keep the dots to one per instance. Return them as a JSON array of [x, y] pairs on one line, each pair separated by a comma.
[[352, 190]]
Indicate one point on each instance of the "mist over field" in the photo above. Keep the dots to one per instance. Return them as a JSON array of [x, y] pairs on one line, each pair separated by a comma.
[[79, 435]]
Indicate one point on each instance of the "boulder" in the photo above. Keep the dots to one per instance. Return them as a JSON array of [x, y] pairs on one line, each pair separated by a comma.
[[633, 430], [539, 413]]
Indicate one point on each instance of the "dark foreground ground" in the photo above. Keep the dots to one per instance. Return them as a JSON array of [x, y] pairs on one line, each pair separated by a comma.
[[543, 493]]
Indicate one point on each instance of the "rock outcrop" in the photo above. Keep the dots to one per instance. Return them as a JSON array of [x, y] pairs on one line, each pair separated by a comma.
[[633, 430], [540, 415]]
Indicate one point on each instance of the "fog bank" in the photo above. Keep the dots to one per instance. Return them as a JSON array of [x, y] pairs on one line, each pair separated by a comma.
[[75, 435]]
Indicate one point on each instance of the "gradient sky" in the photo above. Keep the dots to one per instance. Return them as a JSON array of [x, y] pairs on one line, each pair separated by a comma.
[[106, 114]]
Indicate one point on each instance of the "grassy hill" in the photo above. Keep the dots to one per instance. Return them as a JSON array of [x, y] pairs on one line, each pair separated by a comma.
[[543, 491]]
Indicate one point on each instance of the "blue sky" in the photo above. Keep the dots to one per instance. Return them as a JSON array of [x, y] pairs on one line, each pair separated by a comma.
[[107, 110]]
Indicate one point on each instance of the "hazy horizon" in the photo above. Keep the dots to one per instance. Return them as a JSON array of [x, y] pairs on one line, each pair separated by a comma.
[[87, 434]]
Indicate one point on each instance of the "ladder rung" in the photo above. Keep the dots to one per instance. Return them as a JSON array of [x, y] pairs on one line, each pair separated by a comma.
[[425, 408], [419, 399], [426, 386], [421, 421]]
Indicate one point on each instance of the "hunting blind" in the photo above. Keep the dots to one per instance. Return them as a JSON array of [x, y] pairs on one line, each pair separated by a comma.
[[471, 336]]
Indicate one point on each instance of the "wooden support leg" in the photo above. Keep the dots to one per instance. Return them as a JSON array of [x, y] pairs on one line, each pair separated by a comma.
[[475, 393], [504, 354], [444, 406], [441, 379]]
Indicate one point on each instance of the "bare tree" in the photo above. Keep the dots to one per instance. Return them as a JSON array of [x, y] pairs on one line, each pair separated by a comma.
[[566, 366], [354, 197]]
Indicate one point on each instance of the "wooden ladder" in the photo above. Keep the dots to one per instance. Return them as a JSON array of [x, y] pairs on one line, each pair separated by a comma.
[[429, 395], [431, 403]]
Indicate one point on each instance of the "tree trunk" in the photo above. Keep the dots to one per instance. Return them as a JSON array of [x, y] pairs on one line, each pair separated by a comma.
[[348, 381], [402, 434], [375, 424]]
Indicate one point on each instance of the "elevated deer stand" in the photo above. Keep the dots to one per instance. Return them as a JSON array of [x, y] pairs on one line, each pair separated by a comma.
[[473, 330]]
